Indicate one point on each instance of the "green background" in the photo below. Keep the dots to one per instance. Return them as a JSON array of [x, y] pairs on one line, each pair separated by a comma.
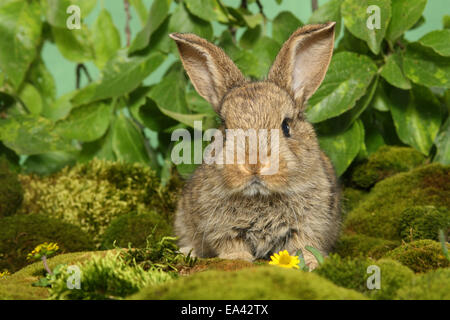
[[64, 71]]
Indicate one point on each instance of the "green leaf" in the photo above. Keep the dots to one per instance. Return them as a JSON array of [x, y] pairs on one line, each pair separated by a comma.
[[438, 40], [28, 135], [121, 75], [158, 13], [252, 20], [198, 104], [283, 25], [75, 45], [405, 14], [345, 120], [357, 20], [343, 147], [302, 264], [169, 92], [346, 81], [86, 123], [128, 142], [417, 116], [152, 117], [424, 66], [392, 71], [250, 37], [209, 10], [49, 163], [446, 22], [106, 38], [257, 61], [316, 253], [20, 32], [442, 142], [141, 10], [41, 78], [330, 11], [100, 149], [183, 21], [60, 108], [169, 95], [31, 97], [350, 43], [380, 100], [56, 10]]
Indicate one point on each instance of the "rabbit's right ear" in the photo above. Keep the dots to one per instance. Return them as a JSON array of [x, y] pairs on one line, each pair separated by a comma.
[[302, 62], [211, 71]]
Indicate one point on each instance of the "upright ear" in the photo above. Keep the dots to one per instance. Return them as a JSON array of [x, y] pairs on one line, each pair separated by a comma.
[[302, 62], [211, 71]]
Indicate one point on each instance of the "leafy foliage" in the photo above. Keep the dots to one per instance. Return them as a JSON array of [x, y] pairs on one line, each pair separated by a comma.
[[380, 88]]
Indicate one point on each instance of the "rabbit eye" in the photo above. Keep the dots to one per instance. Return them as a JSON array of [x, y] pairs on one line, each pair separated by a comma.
[[285, 127]]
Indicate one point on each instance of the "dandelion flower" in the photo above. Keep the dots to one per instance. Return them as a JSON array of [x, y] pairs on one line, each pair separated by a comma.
[[4, 274], [285, 260]]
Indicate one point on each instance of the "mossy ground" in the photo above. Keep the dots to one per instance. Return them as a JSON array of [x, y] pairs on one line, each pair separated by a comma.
[[391, 224]]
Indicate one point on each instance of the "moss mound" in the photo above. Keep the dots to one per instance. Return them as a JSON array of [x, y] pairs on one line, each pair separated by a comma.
[[267, 282], [91, 195], [11, 193], [20, 234], [357, 245], [379, 215], [434, 285], [353, 273], [105, 278], [423, 222], [351, 198], [385, 162], [135, 228], [18, 286], [420, 256]]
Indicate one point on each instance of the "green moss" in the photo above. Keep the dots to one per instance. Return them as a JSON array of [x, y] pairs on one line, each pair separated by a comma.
[[423, 222], [18, 285], [420, 256], [379, 215], [349, 273], [434, 285], [106, 278], [352, 273], [351, 199], [385, 162], [357, 245], [268, 282], [91, 195], [20, 234], [134, 228], [11, 193]]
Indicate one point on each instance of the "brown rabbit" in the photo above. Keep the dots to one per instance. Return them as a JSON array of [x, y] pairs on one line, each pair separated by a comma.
[[233, 211]]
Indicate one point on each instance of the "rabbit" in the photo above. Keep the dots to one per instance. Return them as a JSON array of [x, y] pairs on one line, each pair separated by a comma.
[[233, 211]]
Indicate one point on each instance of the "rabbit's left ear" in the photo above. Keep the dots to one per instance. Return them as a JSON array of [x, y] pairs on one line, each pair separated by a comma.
[[302, 62]]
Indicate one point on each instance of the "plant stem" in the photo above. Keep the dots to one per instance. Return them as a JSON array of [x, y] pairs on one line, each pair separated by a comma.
[[127, 23], [80, 67], [314, 5], [44, 261]]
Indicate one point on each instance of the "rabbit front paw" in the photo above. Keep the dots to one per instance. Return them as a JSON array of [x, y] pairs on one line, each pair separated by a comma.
[[238, 255]]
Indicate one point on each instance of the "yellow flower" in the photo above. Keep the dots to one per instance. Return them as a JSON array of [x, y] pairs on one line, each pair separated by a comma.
[[4, 274], [44, 249], [285, 260]]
